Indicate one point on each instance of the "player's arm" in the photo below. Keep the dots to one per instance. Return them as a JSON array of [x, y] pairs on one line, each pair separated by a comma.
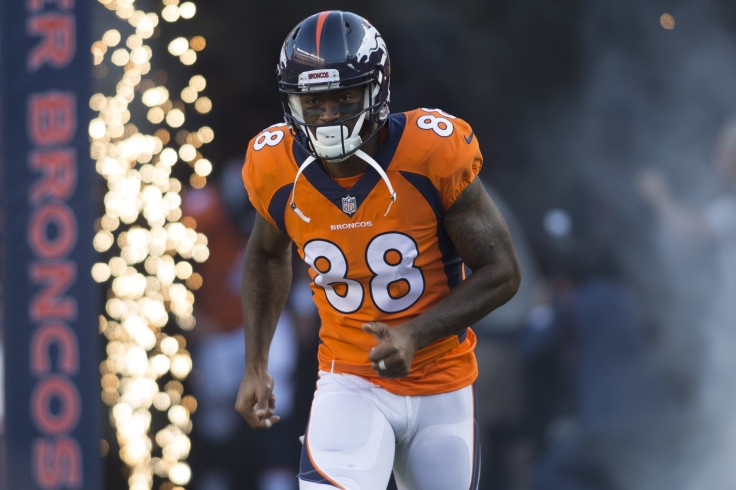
[[266, 283], [481, 237]]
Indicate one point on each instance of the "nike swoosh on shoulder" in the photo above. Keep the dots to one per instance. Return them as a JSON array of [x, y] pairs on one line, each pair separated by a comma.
[[468, 139]]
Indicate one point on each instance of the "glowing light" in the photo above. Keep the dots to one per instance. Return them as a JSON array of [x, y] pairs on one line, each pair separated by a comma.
[[188, 10], [667, 21], [189, 95], [203, 167], [147, 25], [187, 152], [156, 115], [160, 365], [100, 272], [111, 37], [180, 474], [184, 270], [98, 52], [120, 57], [170, 13], [155, 96], [188, 57], [203, 105], [181, 365], [206, 135], [175, 118], [150, 273], [178, 46], [198, 83], [198, 43], [161, 401], [97, 128], [140, 55], [103, 240]]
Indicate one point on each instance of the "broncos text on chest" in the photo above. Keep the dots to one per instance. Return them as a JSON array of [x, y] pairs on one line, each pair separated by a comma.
[[350, 226]]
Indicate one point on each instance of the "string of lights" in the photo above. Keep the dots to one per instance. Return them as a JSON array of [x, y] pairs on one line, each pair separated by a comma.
[[139, 135]]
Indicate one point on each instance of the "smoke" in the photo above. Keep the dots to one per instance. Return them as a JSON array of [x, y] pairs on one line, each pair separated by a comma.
[[656, 98]]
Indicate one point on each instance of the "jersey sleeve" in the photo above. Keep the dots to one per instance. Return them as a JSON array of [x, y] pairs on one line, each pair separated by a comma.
[[463, 163], [445, 149], [263, 170]]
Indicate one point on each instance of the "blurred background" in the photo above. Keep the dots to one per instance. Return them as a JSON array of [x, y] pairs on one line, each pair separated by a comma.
[[608, 131]]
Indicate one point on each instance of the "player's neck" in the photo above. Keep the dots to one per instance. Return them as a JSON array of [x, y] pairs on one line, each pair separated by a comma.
[[349, 168], [354, 165]]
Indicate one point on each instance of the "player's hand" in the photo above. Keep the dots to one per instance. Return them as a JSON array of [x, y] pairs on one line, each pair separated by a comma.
[[392, 357], [256, 401]]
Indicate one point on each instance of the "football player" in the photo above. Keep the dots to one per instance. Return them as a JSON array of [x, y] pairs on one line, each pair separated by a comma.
[[386, 210]]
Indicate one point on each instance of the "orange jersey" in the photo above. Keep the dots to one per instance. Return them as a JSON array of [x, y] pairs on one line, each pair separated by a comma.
[[367, 264]]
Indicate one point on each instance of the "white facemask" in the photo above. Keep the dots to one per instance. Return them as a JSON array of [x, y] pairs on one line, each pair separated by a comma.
[[331, 142]]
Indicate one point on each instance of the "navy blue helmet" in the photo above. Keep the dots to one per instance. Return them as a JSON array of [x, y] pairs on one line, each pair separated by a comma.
[[327, 51]]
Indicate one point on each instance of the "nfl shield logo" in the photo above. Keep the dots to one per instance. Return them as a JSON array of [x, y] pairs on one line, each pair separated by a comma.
[[349, 205]]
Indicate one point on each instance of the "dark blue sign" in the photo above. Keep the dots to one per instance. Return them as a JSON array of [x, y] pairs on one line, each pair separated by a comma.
[[49, 331]]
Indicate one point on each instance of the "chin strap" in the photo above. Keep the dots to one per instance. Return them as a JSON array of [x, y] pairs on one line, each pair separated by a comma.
[[377, 168], [293, 207], [363, 156]]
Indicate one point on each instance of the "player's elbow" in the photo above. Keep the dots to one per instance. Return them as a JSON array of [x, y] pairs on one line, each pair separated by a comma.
[[511, 278]]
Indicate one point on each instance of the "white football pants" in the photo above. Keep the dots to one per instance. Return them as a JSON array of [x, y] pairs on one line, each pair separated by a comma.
[[358, 433]]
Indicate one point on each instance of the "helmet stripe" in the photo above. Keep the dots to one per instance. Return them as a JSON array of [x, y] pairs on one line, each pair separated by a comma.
[[320, 25]]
